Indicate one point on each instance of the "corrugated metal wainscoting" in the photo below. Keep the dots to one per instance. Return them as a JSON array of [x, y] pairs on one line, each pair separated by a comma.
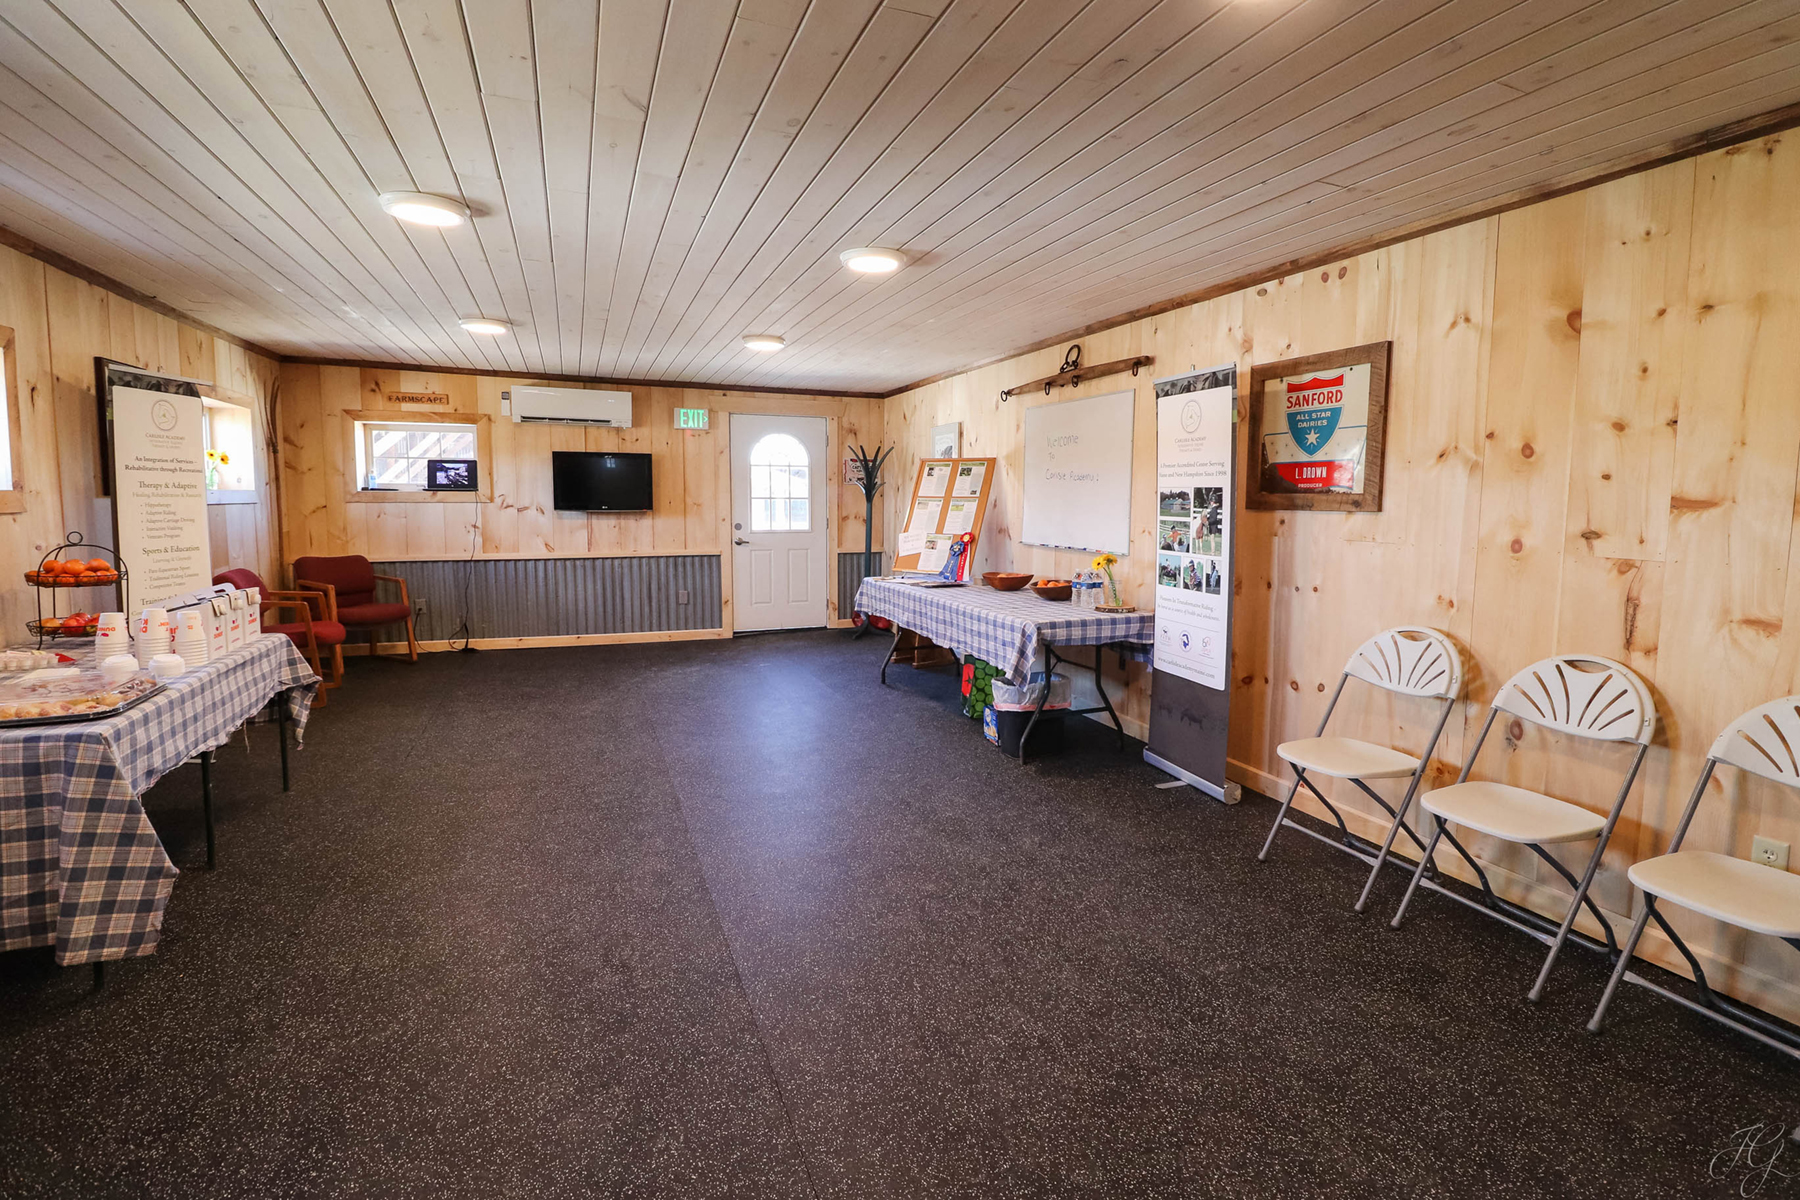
[[557, 597], [850, 576]]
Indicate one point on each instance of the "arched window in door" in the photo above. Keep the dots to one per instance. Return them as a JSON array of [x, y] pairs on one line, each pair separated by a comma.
[[780, 485]]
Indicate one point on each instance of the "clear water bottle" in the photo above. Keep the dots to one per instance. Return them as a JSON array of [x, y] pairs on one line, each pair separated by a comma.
[[1087, 594]]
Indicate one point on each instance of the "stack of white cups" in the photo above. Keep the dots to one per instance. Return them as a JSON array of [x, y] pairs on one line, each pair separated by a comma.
[[253, 611], [152, 635], [113, 637], [191, 636]]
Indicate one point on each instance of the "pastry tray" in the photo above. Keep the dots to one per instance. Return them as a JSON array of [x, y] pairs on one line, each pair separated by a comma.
[[58, 688]]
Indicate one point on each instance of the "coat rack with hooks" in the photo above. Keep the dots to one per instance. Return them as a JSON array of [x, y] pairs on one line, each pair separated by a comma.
[[1073, 372]]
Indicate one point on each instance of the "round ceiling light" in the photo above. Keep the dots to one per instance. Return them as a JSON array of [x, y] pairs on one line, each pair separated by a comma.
[[423, 209], [764, 343], [873, 260], [491, 326]]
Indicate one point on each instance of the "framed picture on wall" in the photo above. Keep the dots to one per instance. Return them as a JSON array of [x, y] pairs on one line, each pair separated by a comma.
[[1318, 429]]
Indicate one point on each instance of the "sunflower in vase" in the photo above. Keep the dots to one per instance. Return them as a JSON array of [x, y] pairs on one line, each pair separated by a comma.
[[1104, 564], [214, 460]]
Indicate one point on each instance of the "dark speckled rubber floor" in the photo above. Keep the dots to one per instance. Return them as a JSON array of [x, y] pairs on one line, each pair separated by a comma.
[[729, 919]]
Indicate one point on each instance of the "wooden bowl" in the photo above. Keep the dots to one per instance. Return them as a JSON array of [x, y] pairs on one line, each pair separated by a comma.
[[1053, 589], [1006, 581]]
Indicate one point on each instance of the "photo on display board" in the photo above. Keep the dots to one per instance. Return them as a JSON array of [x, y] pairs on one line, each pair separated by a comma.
[[1209, 520], [1214, 578], [1178, 503], [1168, 570], [1174, 535], [1192, 577]]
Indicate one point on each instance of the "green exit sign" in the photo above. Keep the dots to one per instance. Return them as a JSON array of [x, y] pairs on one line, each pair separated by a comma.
[[692, 418]]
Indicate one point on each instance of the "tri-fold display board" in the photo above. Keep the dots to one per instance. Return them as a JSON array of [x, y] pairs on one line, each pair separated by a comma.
[[949, 498]]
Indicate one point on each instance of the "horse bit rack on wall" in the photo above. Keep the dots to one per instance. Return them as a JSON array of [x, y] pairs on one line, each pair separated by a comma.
[[1073, 372]]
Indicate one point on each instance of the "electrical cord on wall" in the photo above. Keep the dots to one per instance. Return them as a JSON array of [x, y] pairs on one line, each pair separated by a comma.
[[462, 629]]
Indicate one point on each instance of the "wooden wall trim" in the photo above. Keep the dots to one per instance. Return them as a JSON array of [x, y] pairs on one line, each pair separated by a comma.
[[593, 380], [1693, 146]]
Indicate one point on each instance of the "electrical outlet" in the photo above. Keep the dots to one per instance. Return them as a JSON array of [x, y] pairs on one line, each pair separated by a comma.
[[1770, 853], [681, 596], [420, 608]]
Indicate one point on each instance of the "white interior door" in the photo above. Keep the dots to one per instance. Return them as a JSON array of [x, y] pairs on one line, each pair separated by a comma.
[[780, 547]]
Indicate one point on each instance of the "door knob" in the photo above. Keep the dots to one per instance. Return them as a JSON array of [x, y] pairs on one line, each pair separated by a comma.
[[740, 541]]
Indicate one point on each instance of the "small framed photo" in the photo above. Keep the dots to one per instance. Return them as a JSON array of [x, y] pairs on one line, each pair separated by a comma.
[[450, 475], [1318, 428]]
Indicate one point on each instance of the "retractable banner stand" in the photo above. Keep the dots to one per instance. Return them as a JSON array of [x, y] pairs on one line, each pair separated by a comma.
[[158, 455], [1190, 700]]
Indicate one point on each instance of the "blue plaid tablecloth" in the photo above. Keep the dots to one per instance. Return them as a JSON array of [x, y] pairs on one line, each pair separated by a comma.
[[81, 868], [1007, 629]]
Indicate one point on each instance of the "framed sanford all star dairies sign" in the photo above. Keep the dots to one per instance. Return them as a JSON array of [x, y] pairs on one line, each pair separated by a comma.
[[1318, 427]]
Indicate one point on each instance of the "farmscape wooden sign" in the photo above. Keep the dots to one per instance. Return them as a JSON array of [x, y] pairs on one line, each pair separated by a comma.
[[439, 399], [1319, 425]]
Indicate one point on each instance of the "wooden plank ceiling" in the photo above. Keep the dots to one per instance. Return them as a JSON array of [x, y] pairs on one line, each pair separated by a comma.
[[652, 179]]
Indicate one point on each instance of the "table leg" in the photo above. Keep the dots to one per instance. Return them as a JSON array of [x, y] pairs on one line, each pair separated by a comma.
[[281, 724], [1049, 670], [1051, 660], [889, 657], [1100, 686], [206, 802]]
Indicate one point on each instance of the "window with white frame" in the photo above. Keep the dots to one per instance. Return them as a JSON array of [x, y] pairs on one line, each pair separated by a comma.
[[780, 487], [394, 453]]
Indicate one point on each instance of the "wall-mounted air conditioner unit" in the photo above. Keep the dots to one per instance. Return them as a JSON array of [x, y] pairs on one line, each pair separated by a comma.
[[571, 406]]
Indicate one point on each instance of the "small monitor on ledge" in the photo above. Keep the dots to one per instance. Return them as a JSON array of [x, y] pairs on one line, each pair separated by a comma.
[[450, 475]]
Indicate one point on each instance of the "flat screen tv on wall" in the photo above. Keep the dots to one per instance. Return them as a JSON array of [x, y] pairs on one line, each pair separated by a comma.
[[596, 481]]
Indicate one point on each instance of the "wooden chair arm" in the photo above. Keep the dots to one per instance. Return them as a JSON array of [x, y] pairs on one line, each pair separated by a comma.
[[294, 595], [404, 598], [303, 608], [330, 593]]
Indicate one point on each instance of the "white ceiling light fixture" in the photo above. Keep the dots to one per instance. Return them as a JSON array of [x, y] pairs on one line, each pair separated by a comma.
[[873, 260], [763, 343], [423, 209], [491, 326]]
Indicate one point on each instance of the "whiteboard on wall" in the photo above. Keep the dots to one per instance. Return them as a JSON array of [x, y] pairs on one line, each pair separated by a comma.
[[1078, 473]]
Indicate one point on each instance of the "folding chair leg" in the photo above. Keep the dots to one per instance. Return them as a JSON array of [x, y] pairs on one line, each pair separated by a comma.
[[1424, 861], [1562, 935], [1280, 816], [1624, 964], [412, 642], [1387, 846]]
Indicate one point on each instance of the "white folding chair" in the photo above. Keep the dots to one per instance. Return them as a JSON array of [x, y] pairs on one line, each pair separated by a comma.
[[1412, 662], [1576, 694], [1764, 741]]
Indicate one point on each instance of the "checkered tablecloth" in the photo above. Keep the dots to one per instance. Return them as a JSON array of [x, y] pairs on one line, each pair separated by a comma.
[[80, 866], [1007, 629]]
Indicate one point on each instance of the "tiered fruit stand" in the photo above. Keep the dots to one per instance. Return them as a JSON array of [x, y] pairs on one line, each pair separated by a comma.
[[55, 573]]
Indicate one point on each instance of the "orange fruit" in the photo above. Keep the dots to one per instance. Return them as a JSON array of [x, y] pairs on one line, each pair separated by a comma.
[[99, 565]]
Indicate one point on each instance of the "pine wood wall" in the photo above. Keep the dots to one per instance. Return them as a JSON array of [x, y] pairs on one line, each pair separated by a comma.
[[61, 324], [1593, 442], [692, 471]]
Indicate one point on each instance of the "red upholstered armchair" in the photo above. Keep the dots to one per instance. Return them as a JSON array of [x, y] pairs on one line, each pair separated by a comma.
[[348, 582], [309, 627]]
